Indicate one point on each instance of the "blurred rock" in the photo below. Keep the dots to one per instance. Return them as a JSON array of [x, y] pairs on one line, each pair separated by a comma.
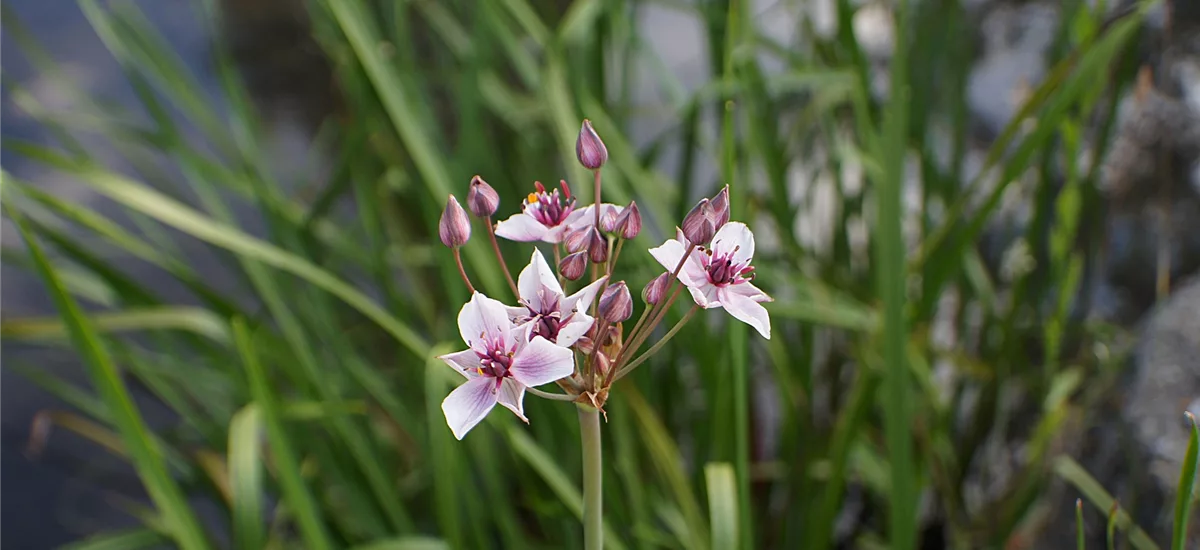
[[1015, 40]]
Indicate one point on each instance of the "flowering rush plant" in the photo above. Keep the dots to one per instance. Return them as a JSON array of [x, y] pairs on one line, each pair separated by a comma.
[[576, 340]]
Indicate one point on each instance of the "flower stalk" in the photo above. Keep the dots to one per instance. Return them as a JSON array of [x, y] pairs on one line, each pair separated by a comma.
[[500, 257], [593, 478], [462, 272]]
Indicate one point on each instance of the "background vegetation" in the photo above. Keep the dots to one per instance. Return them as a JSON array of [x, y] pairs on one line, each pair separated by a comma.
[[304, 404]]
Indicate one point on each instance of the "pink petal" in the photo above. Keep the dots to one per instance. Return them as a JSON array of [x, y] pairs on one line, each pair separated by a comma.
[[571, 331], [468, 404], [541, 362], [669, 254], [511, 396], [483, 319], [706, 296], [521, 227], [734, 238], [536, 275], [465, 362], [738, 301], [582, 299]]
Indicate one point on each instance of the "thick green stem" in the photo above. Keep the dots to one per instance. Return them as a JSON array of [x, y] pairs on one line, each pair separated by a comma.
[[593, 496]]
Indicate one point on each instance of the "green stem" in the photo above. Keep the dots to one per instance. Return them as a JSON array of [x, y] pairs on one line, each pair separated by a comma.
[[500, 257], [593, 496]]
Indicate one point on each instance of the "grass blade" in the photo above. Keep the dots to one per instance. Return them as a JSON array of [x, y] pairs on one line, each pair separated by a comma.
[[132, 539], [1066, 468], [1079, 542], [191, 319], [722, 504], [147, 458], [1187, 483], [245, 478]]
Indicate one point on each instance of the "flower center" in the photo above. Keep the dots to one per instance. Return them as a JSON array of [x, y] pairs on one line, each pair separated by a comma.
[[549, 209], [497, 361], [548, 317], [722, 270]]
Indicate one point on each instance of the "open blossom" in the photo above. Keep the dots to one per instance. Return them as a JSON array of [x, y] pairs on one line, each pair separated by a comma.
[[545, 216], [719, 276], [502, 360], [554, 316]]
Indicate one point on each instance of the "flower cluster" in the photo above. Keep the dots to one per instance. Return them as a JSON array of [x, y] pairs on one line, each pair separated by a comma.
[[577, 341]]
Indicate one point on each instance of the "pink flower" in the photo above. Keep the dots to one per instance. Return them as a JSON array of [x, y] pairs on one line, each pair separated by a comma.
[[554, 316], [545, 216], [502, 360], [720, 275]]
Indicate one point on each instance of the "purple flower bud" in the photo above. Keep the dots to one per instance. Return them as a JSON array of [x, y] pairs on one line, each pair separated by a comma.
[[720, 204], [589, 149], [629, 223], [455, 227], [608, 219], [481, 198], [577, 240], [615, 304], [700, 224], [656, 289], [573, 266], [597, 247]]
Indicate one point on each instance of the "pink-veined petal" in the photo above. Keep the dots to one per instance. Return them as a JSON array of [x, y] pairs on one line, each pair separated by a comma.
[[576, 325], [521, 227], [669, 254], [582, 299], [465, 362], [483, 319], [535, 276], [468, 404], [741, 306], [736, 239], [705, 296], [512, 396], [748, 290], [541, 362]]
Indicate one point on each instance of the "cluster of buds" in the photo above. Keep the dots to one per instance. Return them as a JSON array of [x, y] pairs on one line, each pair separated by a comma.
[[577, 341]]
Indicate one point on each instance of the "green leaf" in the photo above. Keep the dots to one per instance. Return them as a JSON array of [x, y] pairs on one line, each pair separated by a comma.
[[722, 504], [191, 319], [1069, 470], [245, 478], [1187, 484], [147, 457]]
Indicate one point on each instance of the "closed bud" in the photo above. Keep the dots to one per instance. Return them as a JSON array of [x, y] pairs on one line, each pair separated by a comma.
[[577, 240], [608, 219], [656, 289], [573, 266], [589, 149], [455, 227], [629, 223], [720, 204], [615, 304], [699, 225], [481, 198], [597, 247]]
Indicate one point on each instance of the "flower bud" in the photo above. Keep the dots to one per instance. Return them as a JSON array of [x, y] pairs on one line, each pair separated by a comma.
[[573, 266], [455, 227], [720, 204], [577, 240], [615, 304], [597, 247], [656, 289], [608, 219], [589, 149], [700, 224], [481, 198], [629, 223]]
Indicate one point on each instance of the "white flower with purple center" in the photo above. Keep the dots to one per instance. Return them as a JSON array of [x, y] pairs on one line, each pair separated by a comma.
[[554, 316], [720, 275], [502, 360], [545, 216]]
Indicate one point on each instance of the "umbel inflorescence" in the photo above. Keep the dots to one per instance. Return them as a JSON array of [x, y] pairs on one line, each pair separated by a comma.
[[578, 341]]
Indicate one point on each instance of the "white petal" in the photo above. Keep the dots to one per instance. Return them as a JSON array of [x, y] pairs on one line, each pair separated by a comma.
[[536, 275], [734, 238], [521, 227], [705, 296], [483, 318], [669, 254], [582, 299], [468, 404], [512, 396], [465, 362], [541, 362], [743, 308], [571, 331]]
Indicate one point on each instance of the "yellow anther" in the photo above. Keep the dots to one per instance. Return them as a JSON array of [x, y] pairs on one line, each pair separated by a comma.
[[532, 198]]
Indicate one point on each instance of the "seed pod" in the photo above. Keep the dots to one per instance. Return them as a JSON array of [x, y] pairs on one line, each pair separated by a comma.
[[455, 227]]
